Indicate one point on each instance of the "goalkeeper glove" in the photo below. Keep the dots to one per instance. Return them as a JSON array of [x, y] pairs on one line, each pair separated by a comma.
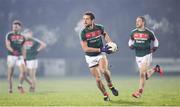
[[153, 49], [106, 49]]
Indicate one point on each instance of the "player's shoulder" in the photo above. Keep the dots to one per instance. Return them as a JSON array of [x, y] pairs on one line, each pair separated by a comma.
[[9, 33], [35, 40], [149, 31], [83, 30], [99, 25], [134, 30]]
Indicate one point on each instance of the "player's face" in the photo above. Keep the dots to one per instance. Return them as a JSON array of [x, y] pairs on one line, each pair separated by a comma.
[[28, 34], [16, 27], [139, 23], [87, 20]]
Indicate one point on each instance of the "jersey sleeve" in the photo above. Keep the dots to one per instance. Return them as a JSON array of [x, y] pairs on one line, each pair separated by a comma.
[[7, 36], [102, 29], [24, 40], [152, 35], [82, 35], [37, 42], [131, 40], [154, 39]]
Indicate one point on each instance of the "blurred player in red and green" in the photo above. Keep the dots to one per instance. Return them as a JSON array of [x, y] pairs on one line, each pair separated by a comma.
[[92, 44], [140, 41], [14, 44], [32, 47]]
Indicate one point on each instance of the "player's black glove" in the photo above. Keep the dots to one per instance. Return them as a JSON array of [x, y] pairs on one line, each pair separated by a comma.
[[106, 49], [153, 49]]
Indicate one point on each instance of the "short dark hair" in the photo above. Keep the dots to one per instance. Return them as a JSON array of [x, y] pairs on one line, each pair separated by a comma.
[[143, 18], [17, 22], [90, 14]]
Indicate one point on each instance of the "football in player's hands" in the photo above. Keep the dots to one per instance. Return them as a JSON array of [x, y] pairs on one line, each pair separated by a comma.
[[112, 47], [106, 49]]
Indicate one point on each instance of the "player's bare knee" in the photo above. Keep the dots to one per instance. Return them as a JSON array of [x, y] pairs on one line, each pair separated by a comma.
[[143, 68], [9, 78], [21, 76], [103, 70], [142, 74], [98, 79]]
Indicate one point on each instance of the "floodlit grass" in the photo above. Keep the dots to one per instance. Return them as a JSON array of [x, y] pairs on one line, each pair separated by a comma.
[[159, 91]]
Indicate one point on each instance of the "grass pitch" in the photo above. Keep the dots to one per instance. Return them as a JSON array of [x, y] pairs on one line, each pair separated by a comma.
[[159, 91]]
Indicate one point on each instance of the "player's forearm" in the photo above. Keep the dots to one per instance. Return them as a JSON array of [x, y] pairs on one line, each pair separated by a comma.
[[89, 49], [41, 47], [9, 48], [131, 42], [156, 43], [107, 38]]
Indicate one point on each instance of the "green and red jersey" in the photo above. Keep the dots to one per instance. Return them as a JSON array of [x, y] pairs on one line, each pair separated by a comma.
[[31, 46], [142, 41], [16, 41], [93, 37]]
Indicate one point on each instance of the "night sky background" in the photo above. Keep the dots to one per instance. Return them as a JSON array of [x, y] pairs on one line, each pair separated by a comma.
[[54, 21]]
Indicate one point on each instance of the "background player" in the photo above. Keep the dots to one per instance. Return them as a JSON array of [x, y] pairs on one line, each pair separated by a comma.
[[92, 44], [140, 40], [14, 43], [32, 47]]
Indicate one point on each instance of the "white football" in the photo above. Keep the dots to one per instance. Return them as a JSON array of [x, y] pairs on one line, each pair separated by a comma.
[[113, 46]]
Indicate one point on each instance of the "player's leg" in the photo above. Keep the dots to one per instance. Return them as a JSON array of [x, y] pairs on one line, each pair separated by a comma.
[[22, 74], [92, 62], [152, 70], [21, 78], [96, 73], [10, 78], [103, 66], [142, 79], [11, 60], [32, 67], [32, 73], [143, 67], [25, 72], [26, 78], [142, 70]]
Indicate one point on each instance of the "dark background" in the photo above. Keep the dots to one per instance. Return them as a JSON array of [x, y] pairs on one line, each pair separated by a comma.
[[55, 21]]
